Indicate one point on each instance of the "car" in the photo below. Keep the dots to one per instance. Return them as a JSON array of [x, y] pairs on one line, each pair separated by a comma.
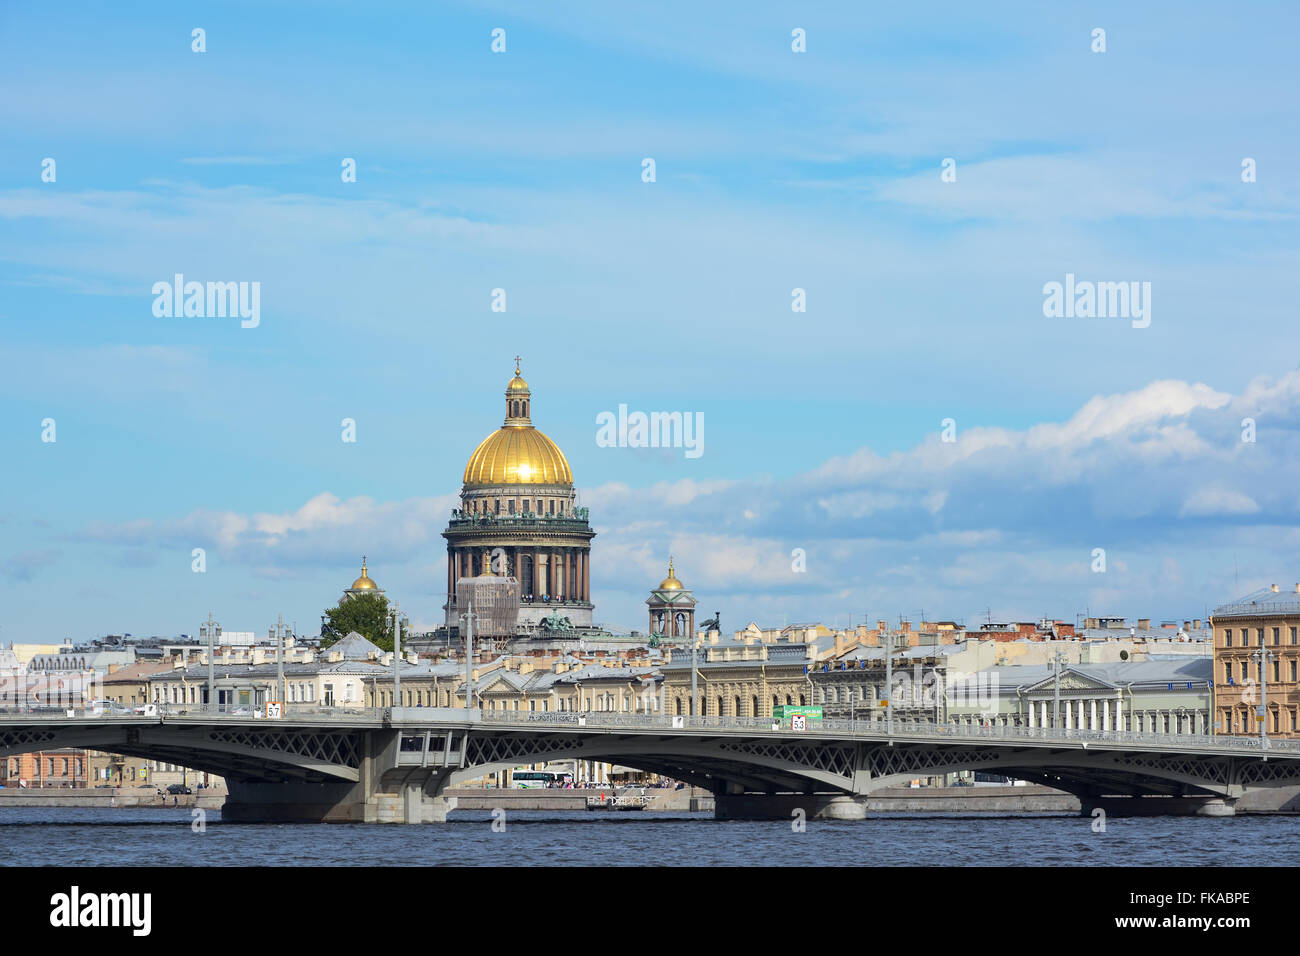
[[241, 712], [109, 708], [179, 788]]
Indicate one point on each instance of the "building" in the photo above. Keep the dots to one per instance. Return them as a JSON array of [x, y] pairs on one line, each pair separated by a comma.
[[1169, 695], [672, 610], [1262, 624], [362, 585], [519, 517]]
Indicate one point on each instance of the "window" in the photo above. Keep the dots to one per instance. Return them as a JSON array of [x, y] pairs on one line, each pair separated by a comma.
[[1259, 634], [1276, 666], [1227, 637], [1277, 631], [551, 507], [512, 511], [1293, 675], [1293, 635], [1227, 671]]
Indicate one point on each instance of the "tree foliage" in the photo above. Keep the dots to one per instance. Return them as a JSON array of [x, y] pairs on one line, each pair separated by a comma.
[[367, 614]]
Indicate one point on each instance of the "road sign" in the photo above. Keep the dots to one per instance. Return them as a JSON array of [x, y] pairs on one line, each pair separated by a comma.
[[798, 722], [884, 703], [274, 709]]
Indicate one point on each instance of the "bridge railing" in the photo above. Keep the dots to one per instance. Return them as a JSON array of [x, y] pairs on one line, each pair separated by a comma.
[[205, 711], [876, 729]]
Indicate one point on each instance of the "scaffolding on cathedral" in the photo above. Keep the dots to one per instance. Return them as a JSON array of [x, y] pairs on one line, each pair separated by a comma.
[[495, 600]]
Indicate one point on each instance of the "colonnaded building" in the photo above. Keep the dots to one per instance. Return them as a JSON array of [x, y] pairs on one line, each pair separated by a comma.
[[519, 518]]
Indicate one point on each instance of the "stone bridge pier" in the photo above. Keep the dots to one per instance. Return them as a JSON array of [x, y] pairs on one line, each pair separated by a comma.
[[382, 792]]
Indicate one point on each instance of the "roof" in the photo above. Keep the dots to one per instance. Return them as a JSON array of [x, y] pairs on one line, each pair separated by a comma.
[[137, 671], [353, 647], [1262, 603]]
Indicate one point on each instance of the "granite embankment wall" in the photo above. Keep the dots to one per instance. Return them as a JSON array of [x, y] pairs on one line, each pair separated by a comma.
[[896, 800], [125, 797], [993, 799]]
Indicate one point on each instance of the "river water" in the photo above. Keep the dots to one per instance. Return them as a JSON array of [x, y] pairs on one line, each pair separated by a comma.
[[166, 837]]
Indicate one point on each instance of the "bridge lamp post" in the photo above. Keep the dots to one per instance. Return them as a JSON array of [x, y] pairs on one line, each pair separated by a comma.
[[1262, 656], [397, 656], [1057, 661], [211, 631], [276, 634], [468, 618], [889, 683]]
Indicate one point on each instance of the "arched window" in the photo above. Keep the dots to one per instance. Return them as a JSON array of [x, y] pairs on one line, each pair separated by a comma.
[[753, 704], [736, 712], [719, 714]]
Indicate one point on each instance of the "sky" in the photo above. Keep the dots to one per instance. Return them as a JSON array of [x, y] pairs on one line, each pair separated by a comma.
[[921, 439]]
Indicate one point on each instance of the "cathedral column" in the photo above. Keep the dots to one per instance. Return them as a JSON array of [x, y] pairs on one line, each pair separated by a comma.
[[586, 576]]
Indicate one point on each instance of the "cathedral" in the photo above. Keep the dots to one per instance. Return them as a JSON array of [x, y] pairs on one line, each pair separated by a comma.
[[519, 518]]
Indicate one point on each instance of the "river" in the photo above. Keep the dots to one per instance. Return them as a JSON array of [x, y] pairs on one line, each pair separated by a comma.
[[151, 837]]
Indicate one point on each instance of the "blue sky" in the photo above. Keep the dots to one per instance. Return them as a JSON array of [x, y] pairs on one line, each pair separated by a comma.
[[522, 171]]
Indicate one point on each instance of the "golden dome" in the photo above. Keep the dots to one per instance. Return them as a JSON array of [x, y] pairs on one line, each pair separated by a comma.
[[517, 453], [517, 384], [670, 583], [364, 583]]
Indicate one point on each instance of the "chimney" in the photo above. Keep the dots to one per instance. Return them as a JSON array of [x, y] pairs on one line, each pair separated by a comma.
[[1297, 587], [1196, 624], [881, 626], [1275, 589], [1144, 623], [905, 626]]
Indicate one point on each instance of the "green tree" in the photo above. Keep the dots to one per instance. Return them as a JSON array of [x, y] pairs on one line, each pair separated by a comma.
[[367, 614]]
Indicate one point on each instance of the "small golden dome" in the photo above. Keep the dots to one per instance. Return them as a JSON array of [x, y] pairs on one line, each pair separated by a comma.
[[517, 384], [364, 583], [670, 583]]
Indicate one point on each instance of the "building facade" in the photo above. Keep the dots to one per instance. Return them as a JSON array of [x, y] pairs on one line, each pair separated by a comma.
[[1257, 663]]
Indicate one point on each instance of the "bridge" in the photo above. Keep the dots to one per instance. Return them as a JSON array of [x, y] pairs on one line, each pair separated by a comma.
[[395, 764]]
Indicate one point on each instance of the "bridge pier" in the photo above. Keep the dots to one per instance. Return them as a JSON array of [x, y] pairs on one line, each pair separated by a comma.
[[293, 802], [410, 805], [1154, 806], [783, 806]]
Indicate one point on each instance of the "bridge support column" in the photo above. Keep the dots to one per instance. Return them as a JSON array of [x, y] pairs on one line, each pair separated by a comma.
[[1206, 806], [292, 802], [409, 805], [783, 806]]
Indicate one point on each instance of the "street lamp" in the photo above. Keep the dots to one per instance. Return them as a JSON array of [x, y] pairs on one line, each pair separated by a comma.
[[397, 656], [211, 631], [1262, 656], [468, 617], [1057, 661]]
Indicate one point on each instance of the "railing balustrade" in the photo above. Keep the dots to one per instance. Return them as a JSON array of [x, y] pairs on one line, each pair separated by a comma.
[[610, 720]]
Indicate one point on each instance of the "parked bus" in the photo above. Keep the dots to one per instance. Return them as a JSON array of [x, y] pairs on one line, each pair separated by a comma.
[[535, 779]]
